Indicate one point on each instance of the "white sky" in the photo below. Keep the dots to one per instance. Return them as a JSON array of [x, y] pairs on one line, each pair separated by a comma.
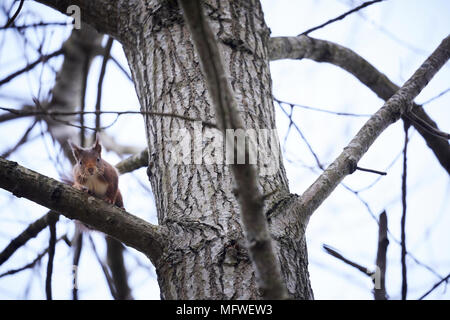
[[395, 36]]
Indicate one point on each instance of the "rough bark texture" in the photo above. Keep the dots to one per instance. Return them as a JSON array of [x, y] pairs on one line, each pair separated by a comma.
[[247, 192], [207, 256]]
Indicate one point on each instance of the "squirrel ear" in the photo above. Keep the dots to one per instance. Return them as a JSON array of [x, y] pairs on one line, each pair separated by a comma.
[[97, 146], [76, 150]]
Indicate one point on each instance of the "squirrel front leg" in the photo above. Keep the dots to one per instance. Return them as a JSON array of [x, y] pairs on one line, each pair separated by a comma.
[[113, 187]]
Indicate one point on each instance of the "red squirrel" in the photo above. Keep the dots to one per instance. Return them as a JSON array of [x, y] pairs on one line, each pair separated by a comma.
[[94, 175]]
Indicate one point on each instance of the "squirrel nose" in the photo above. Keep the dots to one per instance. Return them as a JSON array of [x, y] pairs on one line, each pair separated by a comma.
[[91, 170]]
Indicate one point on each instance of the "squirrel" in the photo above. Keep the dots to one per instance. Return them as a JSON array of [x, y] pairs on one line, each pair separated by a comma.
[[94, 175]]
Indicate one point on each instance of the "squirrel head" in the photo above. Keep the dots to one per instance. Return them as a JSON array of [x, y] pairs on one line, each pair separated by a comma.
[[88, 160]]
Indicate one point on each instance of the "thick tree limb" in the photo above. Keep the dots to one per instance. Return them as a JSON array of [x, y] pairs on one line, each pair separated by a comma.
[[250, 199], [325, 51], [75, 204], [35, 261], [103, 15], [391, 111], [351, 263], [133, 162]]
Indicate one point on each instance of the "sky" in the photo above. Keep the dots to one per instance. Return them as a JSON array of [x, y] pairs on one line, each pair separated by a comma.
[[396, 36]]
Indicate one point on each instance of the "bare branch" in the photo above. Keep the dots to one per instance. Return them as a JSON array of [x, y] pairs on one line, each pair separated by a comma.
[[339, 256], [105, 270], [134, 162], [342, 16], [30, 232], [423, 124], [43, 58], [106, 55], [75, 204], [116, 264], [383, 242], [267, 268], [390, 112], [29, 111], [371, 170], [437, 284], [51, 256], [77, 244], [11, 20], [21, 141], [35, 25], [326, 51], [34, 262], [403, 219]]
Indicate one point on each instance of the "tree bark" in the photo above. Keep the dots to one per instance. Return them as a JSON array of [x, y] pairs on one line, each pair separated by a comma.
[[207, 255]]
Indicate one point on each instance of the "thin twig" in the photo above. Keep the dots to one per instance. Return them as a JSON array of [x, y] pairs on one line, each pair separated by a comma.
[[53, 114], [403, 219], [51, 256], [30, 66], [411, 116], [77, 244], [34, 25], [22, 140], [338, 113], [34, 262], [342, 16], [436, 97], [106, 55], [86, 65], [382, 173], [124, 71], [339, 256], [11, 20], [108, 277], [314, 154]]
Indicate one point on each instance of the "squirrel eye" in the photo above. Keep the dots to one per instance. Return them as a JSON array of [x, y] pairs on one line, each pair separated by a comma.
[[81, 162], [98, 159]]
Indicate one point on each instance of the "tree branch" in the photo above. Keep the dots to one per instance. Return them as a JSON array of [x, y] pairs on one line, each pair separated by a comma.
[[30, 232], [134, 162], [383, 242], [267, 268], [391, 111], [325, 51], [75, 204]]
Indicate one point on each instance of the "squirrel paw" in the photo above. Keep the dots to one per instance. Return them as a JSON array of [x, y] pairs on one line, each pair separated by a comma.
[[82, 188]]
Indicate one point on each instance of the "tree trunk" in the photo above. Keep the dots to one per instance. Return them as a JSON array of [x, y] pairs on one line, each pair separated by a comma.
[[207, 255]]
